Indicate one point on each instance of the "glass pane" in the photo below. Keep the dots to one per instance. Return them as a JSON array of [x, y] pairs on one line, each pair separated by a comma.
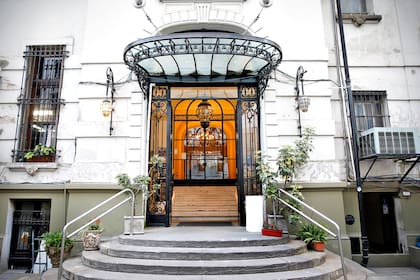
[[203, 64], [186, 64], [203, 153], [353, 6], [209, 92], [250, 144], [254, 66], [169, 65], [158, 144], [237, 64], [220, 62], [151, 66]]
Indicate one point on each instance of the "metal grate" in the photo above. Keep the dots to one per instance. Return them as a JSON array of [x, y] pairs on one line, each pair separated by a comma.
[[370, 109], [40, 98]]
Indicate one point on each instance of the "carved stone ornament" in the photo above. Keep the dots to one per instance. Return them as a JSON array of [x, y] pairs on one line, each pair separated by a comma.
[[31, 170]]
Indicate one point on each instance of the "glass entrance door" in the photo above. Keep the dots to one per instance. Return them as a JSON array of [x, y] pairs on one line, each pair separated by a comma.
[[208, 137]]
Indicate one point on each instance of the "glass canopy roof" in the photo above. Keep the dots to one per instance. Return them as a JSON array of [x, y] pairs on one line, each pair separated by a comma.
[[202, 57]]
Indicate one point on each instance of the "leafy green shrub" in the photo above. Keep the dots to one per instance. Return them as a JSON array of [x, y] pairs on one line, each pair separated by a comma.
[[53, 239], [310, 232]]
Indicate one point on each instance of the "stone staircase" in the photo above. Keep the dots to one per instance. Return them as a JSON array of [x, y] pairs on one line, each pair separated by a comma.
[[213, 255]]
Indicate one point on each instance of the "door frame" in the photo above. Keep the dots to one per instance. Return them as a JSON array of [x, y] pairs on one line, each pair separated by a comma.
[[247, 108]]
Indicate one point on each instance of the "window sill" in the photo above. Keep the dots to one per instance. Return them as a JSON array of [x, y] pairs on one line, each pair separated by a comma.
[[359, 19], [32, 167]]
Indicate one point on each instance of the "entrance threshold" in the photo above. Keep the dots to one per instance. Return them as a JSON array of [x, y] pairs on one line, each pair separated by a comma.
[[220, 235]]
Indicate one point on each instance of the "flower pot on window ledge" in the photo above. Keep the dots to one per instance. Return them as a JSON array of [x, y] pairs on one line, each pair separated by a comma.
[[40, 153], [49, 158]]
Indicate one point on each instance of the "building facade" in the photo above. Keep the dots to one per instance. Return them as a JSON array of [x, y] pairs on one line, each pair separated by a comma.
[[106, 85]]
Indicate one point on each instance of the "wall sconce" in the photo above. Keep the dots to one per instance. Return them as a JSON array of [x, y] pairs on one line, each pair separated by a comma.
[[301, 100], [107, 105], [204, 113]]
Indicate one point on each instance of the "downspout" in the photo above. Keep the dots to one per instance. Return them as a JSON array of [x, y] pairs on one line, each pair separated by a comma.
[[339, 74], [359, 183]]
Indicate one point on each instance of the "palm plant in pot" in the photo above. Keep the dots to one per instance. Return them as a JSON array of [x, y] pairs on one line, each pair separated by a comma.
[[53, 246], [143, 187]]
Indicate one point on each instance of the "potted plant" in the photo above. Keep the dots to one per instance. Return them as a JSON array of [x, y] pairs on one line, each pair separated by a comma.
[[289, 160], [143, 187], [53, 246], [91, 237], [40, 153], [314, 236], [267, 177]]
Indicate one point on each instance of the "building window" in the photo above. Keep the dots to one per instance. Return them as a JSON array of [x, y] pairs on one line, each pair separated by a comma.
[[353, 6], [371, 109], [358, 12], [40, 99]]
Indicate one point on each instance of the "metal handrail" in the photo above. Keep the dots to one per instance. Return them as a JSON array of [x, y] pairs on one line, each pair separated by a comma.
[[64, 236], [338, 235]]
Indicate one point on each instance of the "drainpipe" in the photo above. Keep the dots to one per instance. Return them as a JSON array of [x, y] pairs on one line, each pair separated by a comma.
[[359, 183]]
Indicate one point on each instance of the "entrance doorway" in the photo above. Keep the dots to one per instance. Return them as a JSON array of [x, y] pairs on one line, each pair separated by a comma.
[[380, 222], [208, 137], [31, 218]]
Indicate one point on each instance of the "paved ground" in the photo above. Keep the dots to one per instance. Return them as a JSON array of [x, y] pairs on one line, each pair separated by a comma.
[[376, 273]]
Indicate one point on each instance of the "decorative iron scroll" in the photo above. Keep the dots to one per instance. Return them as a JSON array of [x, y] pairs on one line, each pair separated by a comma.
[[159, 109], [168, 59], [143, 80], [250, 109]]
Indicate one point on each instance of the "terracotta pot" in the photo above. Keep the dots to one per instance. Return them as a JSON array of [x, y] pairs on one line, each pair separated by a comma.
[[54, 254], [318, 245], [91, 239], [272, 232]]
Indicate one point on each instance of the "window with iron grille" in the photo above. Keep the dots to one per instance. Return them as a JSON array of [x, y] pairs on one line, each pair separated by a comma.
[[370, 109], [40, 100]]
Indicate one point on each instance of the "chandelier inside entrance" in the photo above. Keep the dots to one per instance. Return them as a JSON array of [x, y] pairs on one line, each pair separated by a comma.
[[198, 136]]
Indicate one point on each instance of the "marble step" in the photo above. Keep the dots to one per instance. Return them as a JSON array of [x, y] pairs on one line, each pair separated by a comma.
[[75, 270], [97, 260], [115, 249], [213, 241]]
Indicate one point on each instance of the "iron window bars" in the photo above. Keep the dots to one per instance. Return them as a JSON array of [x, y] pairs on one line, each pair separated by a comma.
[[39, 100]]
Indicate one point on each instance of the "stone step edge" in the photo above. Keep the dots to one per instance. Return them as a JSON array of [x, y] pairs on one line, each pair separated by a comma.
[[132, 240], [74, 269], [99, 261], [115, 249]]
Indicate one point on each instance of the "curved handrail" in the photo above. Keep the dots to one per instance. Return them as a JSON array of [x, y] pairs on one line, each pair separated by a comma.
[[63, 233], [337, 227]]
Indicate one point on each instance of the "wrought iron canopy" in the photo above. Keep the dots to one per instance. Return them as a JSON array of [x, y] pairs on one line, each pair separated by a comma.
[[202, 57]]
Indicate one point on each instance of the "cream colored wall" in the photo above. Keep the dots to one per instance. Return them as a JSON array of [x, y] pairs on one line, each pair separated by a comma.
[[330, 202], [410, 212], [80, 200]]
